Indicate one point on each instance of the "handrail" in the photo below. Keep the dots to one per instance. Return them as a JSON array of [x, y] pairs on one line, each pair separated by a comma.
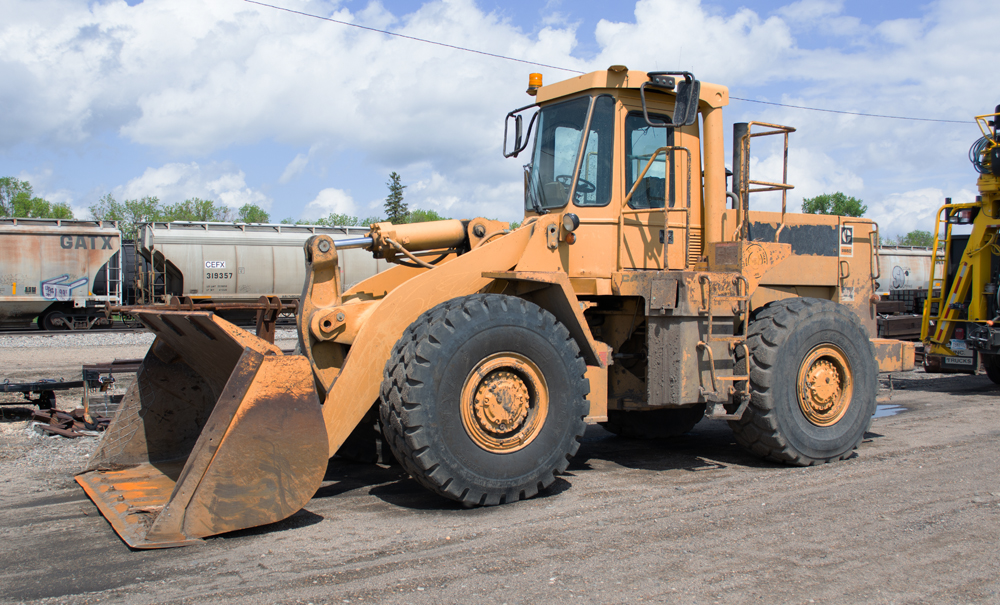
[[666, 209], [925, 322], [743, 208]]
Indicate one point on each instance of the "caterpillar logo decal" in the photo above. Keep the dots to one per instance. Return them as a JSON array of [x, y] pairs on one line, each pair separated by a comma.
[[846, 241]]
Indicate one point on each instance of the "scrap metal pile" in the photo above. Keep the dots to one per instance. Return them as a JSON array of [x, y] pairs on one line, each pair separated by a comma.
[[68, 424]]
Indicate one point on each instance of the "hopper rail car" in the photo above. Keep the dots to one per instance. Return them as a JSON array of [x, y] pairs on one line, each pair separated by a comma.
[[67, 274]]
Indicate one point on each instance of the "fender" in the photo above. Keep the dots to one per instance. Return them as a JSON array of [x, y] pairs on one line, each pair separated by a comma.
[[351, 389], [552, 291]]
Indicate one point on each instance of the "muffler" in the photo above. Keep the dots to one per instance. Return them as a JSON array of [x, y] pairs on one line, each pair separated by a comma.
[[219, 432]]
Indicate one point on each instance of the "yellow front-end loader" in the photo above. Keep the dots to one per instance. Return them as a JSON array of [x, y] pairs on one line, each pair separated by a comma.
[[631, 295]]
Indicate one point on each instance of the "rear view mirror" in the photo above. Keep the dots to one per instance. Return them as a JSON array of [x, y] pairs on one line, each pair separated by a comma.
[[521, 138], [686, 105], [686, 94]]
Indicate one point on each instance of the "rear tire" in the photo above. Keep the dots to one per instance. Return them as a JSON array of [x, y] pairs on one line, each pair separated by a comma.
[[813, 380], [991, 363], [483, 399], [654, 424]]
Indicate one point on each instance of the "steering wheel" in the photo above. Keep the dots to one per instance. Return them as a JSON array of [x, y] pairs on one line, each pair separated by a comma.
[[583, 187]]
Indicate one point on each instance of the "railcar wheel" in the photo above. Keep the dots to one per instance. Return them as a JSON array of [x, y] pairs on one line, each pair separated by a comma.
[[654, 424], [813, 379], [46, 321], [483, 399]]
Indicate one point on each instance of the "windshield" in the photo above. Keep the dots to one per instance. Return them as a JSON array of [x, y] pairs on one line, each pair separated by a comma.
[[549, 176]]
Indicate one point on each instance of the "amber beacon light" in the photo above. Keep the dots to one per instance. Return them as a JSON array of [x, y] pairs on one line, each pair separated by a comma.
[[534, 83]]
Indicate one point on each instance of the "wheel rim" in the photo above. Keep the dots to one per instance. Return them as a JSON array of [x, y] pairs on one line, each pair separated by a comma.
[[825, 385], [505, 401]]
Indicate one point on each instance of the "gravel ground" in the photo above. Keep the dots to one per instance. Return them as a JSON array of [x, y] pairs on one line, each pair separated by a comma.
[[913, 517]]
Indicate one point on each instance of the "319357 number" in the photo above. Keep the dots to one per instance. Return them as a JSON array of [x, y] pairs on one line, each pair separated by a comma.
[[211, 275]]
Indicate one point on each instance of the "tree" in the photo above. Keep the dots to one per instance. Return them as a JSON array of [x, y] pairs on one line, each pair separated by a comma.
[[197, 209], [423, 216], [129, 213], [18, 199], [335, 219], [10, 189], [834, 203], [916, 238], [252, 213], [395, 208]]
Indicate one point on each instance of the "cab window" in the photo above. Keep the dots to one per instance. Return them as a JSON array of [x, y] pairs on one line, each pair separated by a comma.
[[593, 186], [641, 142], [553, 159]]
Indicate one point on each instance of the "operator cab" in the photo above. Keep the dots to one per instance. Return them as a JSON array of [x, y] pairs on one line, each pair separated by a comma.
[[617, 146]]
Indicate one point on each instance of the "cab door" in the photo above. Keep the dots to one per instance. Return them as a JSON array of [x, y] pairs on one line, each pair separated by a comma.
[[654, 223]]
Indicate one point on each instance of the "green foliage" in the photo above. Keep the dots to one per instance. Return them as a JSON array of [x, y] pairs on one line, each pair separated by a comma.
[[834, 203], [916, 238], [335, 219], [252, 213], [18, 199], [395, 208], [197, 209], [131, 213], [422, 216], [10, 189], [514, 225], [128, 213]]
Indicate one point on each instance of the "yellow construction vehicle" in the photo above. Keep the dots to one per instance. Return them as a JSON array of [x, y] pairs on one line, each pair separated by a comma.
[[630, 295], [963, 300]]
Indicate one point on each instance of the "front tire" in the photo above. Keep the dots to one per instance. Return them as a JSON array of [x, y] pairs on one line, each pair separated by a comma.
[[483, 399], [813, 380]]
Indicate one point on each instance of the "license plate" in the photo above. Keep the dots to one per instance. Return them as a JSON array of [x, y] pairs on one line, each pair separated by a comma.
[[958, 345]]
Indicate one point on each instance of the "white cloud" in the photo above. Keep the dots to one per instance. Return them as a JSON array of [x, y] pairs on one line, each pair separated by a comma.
[[176, 182], [294, 168], [328, 201], [186, 79], [900, 213]]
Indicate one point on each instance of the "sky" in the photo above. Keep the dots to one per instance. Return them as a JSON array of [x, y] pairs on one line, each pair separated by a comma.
[[241, 103]]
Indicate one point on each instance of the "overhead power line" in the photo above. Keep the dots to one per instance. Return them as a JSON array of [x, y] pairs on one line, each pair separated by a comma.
[[576, 71], [852, 113], [414, 38]]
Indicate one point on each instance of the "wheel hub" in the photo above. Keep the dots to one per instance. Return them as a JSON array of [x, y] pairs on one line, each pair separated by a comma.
[[501, 401], [504, 402], [825, 385]]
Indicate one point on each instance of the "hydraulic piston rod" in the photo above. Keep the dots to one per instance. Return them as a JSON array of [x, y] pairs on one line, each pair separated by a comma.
[[354, 242]]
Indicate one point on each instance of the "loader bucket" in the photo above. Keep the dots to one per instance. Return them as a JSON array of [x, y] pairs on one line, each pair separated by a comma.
[[219, 432]]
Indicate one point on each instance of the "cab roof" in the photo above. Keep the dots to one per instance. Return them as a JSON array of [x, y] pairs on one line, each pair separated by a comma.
[[619, 76]]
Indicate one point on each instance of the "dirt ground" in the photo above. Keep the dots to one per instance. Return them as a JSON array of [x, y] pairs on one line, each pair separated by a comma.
[[914, 517]]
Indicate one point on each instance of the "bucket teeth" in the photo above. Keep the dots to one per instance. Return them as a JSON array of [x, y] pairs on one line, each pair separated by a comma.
[[219, 432]]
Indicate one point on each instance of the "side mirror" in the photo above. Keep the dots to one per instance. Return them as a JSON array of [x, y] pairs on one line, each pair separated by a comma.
[[520, 138], [686, 105], [686, 94]]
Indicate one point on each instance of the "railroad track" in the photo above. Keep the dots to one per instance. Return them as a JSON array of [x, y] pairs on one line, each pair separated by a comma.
[[117, 329], [36, 332]]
